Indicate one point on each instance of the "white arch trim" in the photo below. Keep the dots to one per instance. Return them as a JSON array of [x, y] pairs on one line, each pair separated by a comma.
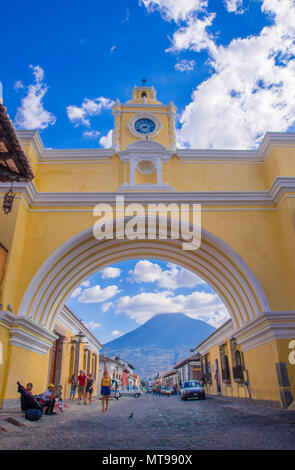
[[83, 255]]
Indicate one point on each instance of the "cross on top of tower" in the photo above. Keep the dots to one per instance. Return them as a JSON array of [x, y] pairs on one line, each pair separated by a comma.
[[143, 80]]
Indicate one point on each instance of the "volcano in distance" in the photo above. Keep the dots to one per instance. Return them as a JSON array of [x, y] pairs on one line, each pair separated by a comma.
[[160, 343]]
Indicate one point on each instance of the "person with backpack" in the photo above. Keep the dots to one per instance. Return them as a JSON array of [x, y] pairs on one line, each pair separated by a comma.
[[29, 404]]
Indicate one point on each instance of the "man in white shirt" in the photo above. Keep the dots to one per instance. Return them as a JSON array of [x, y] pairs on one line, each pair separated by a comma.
[[48, 399]]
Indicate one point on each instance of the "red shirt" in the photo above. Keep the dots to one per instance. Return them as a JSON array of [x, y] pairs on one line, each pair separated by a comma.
[[82, 380]]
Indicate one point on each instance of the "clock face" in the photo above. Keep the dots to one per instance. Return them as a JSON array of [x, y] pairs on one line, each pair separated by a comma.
[[144, 126]]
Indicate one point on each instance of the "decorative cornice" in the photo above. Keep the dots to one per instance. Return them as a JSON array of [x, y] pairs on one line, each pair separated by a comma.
[[44, 155], [145, 149], [27, 334], [161, 194], [267, 327], [68, 319], [225, 331], [153, 188], [270, 140]]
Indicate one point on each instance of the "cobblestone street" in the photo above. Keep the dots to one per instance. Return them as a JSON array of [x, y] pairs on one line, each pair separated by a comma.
[[158, 423]]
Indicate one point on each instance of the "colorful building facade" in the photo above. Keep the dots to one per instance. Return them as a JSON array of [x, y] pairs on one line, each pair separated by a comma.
[[247, 246]]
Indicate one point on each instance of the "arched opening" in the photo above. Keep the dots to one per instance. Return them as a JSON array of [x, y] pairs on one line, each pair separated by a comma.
[[84, 255]]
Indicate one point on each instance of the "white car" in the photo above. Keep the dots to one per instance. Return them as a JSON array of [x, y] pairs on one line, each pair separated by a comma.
[[192, 389], [130, 391]]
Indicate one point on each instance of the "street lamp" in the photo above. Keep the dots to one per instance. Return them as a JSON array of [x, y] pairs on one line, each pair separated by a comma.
[[8, 201], [79, 337], [234, 341]]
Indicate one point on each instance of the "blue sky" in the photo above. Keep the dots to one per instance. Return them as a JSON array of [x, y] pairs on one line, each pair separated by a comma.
[[121, 297], [228, 65]]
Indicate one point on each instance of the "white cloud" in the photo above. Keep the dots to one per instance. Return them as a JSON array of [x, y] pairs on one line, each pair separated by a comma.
[[194, 35], [175, 9], [76, 292], [80, 115], [18, 85], [31, 114], [107, 140], [146, 271], [79, 289], [116, 333], [199, 305], [172, 278], [106, 306], [113, 48], [96, 294], [251, 90], [185, 65], [234, 6], [110, 273], [91, 134], [92, 325]]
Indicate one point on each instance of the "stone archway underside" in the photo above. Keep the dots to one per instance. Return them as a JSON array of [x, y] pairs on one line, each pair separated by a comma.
[[83, 255]]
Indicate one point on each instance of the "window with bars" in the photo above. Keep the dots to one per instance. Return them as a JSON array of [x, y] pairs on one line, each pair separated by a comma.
[[206, 368], [237, 362], [225, 370]]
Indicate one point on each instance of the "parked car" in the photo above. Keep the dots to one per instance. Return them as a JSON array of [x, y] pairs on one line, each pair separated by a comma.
[[130, 391], [149, 390], [166, 391], [192, 389]]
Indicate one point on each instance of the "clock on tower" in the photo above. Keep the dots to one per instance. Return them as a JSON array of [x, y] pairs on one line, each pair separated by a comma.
[[144, 137]]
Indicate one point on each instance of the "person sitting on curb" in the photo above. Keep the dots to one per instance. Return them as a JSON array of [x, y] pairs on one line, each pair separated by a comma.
[[48, 400], [27, 399]]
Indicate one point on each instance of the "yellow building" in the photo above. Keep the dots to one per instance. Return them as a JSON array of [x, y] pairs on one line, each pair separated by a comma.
[[247, 250], [75, 349]]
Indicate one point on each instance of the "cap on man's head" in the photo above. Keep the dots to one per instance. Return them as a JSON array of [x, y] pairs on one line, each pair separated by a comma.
[[50, 386]]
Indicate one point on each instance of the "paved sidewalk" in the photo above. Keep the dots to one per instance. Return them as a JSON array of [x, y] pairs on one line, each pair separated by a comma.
[[158, 423]]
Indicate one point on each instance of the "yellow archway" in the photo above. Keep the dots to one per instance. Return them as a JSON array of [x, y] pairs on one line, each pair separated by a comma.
[[83, 255]]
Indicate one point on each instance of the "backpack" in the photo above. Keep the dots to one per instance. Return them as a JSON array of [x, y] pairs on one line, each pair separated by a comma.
[[33, 414]]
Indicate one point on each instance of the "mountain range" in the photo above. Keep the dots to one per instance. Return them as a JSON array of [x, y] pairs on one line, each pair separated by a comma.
[[160, 343]]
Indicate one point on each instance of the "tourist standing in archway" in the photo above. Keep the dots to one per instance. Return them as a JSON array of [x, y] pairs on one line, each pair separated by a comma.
[[105, 390], [89, 388], [82, 379]]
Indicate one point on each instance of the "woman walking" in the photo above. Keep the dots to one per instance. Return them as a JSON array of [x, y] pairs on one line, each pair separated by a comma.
[[89, 388], [73, 386], [105, 390]]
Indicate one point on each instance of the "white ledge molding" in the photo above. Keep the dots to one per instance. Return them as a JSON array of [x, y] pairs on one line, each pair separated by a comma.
[[69, 321], [282, 187], [145, 187], [269, 326], [26, 333], [46, 155], [270, 140], [219, 336]]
